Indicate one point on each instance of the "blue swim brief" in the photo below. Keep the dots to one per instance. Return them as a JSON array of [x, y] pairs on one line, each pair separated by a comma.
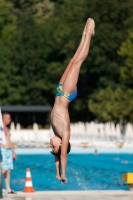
[[59, 92], [7, 160]]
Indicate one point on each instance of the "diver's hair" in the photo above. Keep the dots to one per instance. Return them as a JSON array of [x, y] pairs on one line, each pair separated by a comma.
[[59, 151], [4, 114]]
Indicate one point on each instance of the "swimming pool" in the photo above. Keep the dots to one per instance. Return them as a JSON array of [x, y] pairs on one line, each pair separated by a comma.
[[85, 171]]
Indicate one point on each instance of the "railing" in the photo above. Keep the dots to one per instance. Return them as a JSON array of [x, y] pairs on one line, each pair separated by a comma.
[[92, 133]]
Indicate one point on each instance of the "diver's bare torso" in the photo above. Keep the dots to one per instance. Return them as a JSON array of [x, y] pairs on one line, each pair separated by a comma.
[[60, 120]]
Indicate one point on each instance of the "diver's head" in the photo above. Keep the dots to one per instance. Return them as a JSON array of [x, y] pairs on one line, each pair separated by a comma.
[[55, 144]]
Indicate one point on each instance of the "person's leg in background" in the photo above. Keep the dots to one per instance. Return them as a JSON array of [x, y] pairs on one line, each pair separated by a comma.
[[7, 179], [7, 165]]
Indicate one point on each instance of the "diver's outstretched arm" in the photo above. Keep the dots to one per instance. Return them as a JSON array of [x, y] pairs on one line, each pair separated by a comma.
[[64, 147]]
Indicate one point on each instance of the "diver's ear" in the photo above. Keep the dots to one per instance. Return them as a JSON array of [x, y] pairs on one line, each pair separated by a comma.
[[61, 143]]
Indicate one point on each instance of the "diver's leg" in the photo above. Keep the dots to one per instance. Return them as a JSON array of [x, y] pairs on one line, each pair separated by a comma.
[[78, 50], [71, 79]]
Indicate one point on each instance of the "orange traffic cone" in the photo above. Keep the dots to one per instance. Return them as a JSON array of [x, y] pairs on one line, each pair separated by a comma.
[[28, 183]]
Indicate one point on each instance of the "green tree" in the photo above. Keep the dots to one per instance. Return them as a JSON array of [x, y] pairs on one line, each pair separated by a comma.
[[29, 53], [113, 105], [126, 51], [111, 30], [8, 79], [40, 9]]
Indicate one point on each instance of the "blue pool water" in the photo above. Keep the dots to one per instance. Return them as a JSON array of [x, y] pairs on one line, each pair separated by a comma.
[[84, 172]]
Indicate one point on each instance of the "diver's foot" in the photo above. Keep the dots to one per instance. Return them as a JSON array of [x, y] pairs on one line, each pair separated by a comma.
[[85, 28], [90, 27], [58, 177]]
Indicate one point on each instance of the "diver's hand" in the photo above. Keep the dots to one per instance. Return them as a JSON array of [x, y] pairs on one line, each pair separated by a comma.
[[63, 179]]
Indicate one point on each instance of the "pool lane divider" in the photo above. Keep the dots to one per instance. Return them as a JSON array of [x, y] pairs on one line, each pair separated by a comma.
[[28, 182]]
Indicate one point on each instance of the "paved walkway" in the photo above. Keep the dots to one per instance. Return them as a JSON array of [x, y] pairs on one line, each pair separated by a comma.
[[73, 195]]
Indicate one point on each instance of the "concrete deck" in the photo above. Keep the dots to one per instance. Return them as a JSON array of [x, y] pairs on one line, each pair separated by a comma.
[[73, 195]]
